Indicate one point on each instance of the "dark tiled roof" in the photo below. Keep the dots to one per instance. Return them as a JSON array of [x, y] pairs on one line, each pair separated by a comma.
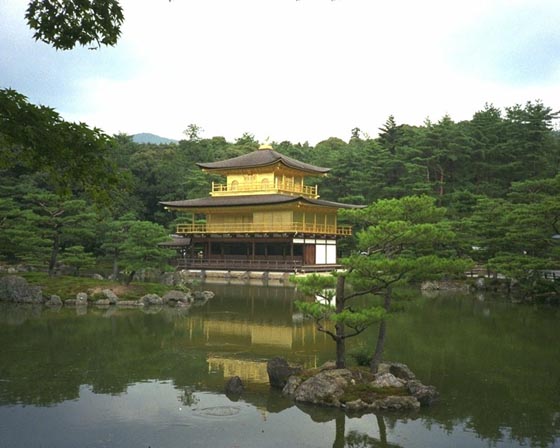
[[256, 199], [262, 157], [176, 242]]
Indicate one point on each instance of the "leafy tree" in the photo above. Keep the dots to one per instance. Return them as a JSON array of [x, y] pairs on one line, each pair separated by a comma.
[[443, 145], [63, 222], [341, 313], [193, 132], [405, 240], [78, 258], [113, 234], [515, 236], [140, 249], [63, 24], [36, 139]]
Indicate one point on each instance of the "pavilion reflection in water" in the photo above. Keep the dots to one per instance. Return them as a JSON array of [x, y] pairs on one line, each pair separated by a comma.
[[242, 348]]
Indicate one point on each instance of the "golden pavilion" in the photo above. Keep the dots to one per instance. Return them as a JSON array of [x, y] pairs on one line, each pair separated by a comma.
[[264, 217]]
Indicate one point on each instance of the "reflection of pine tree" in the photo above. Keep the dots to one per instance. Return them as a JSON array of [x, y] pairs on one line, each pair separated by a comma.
[[187, 396], [356, 439]]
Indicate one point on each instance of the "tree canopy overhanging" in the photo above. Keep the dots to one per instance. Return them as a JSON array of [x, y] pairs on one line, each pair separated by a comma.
[[65, 24]]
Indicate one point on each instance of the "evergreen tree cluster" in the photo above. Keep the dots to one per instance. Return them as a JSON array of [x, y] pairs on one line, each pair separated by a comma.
[[497, 175]]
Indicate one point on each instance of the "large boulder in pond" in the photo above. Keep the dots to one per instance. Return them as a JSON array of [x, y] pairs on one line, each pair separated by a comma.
[[177, 298], [152, 299], [426, 395], [14, 288], [279, 371], [234, 386], [397, 369], [203, 295], [326, 388]]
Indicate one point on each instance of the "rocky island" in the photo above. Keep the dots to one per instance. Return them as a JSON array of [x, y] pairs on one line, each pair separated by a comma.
[[393, 387]]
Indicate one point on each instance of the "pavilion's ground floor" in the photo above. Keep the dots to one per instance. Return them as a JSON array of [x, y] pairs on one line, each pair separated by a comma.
[[258, 253]]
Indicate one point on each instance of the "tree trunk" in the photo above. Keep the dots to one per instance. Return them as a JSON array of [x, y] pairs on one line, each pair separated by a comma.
[[340, 337], [382, 334], [115, 265], [54, 253], [379, 347], [129, 278]]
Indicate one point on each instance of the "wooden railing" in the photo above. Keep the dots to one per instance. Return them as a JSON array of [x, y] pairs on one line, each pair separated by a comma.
[[258, 187], [247, 264], [294, 227], [244, 264]]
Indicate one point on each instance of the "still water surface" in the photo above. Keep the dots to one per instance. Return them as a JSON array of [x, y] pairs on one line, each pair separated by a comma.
[[154, 378]]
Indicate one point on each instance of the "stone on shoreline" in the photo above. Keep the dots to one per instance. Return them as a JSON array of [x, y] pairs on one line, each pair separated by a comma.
[[177, 298], [54, 301], [151, 299], [14, 288]]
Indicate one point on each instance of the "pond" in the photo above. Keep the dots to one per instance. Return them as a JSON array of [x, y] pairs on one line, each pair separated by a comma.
[[155, 377]]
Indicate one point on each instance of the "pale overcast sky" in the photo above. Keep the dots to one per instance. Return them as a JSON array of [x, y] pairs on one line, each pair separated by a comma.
[[298, 70]]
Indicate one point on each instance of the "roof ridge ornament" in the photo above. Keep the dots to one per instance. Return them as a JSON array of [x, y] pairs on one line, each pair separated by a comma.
[[266, 144]]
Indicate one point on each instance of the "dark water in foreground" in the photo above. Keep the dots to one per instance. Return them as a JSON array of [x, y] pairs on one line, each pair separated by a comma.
[[132, 378]]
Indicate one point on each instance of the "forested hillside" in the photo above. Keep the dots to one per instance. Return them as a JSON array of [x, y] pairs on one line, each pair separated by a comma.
[[497, 174]]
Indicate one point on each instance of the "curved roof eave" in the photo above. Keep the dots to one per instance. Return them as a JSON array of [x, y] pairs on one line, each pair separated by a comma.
[[262, 158], [251, 200]]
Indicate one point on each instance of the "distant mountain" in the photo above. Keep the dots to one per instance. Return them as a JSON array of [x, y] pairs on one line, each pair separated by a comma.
[[146, 137]]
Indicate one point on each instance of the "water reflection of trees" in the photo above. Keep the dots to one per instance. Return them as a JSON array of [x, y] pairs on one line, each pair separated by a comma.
[[495, 365]]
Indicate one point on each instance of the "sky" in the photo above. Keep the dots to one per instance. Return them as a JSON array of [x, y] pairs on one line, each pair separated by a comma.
[[296, 70]]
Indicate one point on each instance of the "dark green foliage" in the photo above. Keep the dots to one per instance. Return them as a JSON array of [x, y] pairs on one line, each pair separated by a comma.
[[36, 139], [64, 24], [495, 174]]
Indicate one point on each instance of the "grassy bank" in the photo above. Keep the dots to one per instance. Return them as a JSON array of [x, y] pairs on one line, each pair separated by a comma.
[[68, 286]]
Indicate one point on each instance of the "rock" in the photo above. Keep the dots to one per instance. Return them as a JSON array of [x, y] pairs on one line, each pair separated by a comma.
[[426, 395], [329, 365], [234, 386], [167, 279], [175, 297], [396, 403], [54, 301], [151, 299], [384, 380], [97, 277], [397, 369], [203, 295], [110, 296], [81, 299], [357, 405], [325, 388], [14, 288], [444, 285], [133, 303], [291, 386], [279, 371], [102, 302]]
